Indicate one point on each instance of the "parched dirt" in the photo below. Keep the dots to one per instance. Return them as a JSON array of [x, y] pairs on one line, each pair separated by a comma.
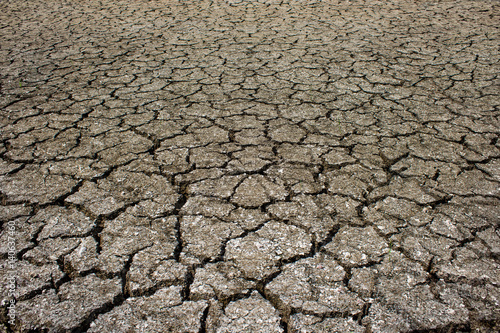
[[249, 166]]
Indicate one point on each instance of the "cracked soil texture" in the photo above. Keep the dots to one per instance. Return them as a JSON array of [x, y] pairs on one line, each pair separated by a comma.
[[250, 166]]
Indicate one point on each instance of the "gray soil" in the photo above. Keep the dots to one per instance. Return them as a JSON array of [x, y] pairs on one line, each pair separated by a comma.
[[250, 166]]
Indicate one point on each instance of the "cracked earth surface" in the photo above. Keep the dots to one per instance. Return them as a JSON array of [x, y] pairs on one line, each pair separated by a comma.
[[250, 166]]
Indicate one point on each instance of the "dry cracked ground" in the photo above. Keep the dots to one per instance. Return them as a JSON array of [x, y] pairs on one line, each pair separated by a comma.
[[250, 166]]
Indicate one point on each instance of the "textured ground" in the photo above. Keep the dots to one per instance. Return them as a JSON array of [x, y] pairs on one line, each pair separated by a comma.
[[250, 166]]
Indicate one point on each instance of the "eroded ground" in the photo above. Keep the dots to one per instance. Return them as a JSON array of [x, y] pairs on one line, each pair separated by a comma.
[[250, 166]]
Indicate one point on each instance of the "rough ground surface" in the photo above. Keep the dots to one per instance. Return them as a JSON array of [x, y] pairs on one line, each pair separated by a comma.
[[250, 166]]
